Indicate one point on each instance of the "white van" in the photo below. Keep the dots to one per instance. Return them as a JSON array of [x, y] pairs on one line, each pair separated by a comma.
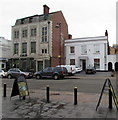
[[70, 68]]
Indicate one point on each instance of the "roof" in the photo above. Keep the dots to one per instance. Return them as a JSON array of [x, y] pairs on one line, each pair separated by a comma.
[[86, 39], [34, 18]]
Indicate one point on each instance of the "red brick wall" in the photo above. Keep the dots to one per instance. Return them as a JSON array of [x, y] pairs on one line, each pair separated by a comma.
[[58, 17]]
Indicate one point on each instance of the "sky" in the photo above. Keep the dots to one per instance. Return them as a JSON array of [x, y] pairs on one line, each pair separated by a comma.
[[85, 18]]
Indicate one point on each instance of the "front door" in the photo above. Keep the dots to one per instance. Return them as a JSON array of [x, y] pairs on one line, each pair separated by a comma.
[[83, 64]]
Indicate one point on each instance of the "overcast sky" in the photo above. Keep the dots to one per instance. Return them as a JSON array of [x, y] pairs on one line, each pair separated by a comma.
[[85, 18]]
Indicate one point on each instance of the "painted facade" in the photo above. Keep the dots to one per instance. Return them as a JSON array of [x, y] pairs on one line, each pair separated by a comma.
[[5, 52], [90, 51]]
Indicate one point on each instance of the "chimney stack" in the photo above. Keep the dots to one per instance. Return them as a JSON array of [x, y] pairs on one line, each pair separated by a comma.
[[46, 9], [106, 33], [69, 36]]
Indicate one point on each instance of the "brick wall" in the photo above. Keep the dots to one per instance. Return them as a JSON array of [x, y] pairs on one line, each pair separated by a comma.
[[58, 18]]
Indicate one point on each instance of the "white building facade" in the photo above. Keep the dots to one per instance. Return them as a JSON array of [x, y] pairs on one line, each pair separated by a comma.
[[112, 62], [90, 51], [5, 52]]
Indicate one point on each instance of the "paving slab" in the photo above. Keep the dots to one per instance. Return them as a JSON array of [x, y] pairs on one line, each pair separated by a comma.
[[60, 106]]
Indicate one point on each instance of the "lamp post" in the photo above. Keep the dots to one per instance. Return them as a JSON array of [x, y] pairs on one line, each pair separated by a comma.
[[58, 25]]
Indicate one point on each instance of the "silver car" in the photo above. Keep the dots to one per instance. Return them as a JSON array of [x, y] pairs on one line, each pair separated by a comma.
[[15, 72]]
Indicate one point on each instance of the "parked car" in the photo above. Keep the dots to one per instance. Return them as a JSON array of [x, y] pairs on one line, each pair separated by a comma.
[[90, 69], [70, 68], [2, 73], [78, 69], [51, 72], [15, 72]]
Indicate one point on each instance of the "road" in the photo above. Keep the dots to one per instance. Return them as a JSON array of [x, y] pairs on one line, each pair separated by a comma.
[[87, 84]]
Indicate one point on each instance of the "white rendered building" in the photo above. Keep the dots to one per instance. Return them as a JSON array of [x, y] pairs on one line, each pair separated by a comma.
[[112, 62], [88, 51], [5, 52]]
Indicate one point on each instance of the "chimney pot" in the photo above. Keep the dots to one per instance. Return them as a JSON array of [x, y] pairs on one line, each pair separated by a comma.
[[106, 33]]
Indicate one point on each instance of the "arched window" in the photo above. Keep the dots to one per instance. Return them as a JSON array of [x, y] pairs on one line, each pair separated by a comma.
[[109, 66]]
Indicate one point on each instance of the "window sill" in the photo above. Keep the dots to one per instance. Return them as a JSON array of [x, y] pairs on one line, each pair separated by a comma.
[[96, 53], [71, 53], [84, 54]]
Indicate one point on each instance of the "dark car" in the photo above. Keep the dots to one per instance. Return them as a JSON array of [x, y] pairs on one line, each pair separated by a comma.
[[51, 72], [15, 72], [90, 70]]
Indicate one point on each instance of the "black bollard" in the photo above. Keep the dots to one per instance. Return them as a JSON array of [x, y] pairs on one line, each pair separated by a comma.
[[75, 96], [5, 87], [24, 98], [47, 93], [110, 99]]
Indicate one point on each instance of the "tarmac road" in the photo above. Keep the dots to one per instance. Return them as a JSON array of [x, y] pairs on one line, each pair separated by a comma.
[[84, 83]]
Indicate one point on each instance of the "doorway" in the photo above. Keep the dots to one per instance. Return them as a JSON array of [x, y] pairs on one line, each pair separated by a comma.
[[83, 64], [116, 66], [109, 66]]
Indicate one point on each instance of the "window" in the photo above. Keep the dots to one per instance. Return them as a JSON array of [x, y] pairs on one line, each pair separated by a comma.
[[16, 34], [72, 61], [83, 49], [44, 34], [72, 49], [33, 32], [96, 48], [33, 47], [3, 66], [24, 47], [16, 45], [24, 33], [97, 63], [44, 51]]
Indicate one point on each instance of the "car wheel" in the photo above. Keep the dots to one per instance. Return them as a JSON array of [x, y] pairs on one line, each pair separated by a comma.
[[9, 76], [38, 77], [56, 77]]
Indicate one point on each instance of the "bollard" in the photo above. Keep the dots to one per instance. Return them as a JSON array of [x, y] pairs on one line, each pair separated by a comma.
[[110, 99], [47, 93], [24, 98], [75, 96], [5, 86]]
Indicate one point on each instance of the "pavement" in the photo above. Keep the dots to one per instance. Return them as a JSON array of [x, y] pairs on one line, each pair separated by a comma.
[[61, 105]]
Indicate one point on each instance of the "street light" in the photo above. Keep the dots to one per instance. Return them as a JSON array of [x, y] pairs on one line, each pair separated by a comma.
[[58, 25]]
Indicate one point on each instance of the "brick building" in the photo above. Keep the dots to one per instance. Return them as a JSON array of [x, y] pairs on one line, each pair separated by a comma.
[[38, 40]]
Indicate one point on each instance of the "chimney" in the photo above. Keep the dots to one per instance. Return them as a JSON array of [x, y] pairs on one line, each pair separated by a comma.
[[69, 36], [106, 33], [45, 9]]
